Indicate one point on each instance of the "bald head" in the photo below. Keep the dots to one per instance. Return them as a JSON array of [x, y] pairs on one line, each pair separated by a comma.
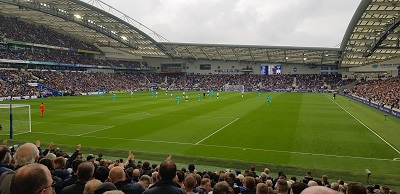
[[117, 174], [167, 170], [27, 153], [31, 179], [91, 186], [319, 190], [85, 171]]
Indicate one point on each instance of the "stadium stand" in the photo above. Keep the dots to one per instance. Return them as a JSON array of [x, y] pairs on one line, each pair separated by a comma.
[[383, 92], [16, 29]]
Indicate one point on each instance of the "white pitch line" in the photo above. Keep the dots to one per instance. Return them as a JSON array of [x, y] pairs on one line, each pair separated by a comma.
[[230, 147], [366, 126], [299, 153], [217, 131], [107, 127]]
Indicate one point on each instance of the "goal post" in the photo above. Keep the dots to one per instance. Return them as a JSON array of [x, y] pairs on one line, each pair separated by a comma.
[[15, 119], [235, 88]]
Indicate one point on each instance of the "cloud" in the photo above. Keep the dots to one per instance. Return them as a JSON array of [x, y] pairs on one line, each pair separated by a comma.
[[246, 22]]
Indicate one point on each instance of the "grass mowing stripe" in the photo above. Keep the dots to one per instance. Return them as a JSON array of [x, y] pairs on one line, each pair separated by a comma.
[[372, 131]]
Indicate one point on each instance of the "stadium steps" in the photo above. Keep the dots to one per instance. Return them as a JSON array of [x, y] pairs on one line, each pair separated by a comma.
[[53, 91]]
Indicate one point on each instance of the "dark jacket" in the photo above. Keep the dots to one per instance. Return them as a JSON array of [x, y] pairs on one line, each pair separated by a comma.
[[61, 172], [129, 188], [70, 181], [4, 168], [78, 187], [165, 187]]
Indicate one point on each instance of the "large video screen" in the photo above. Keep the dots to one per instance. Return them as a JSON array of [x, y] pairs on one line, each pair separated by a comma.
[[268, 69]]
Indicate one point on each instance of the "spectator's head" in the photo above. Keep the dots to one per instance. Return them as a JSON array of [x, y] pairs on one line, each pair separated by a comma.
[[249, 182], [191, 168], [335, 186], [312, 183], [146, 166], [385, 190], [117, 174], [107, 186], [32, 179], [101, 173], [90, 158], [298, 187], [91, 186], [3, 152], [27, 153], [222, 188], [266, 170], [205, 184], [145, 181], [282, 186], [319, 190], [180, 176], [190, 183], [261, 188], [59, 162], [356, 188], [47, 162], [114, 192], [167, 170], [75, 164], [85, 171]]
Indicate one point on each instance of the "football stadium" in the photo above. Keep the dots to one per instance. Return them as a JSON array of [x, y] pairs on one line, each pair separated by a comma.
[[106, 103]]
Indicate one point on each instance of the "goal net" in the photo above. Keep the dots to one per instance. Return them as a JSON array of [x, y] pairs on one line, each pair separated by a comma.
[[234, 88], [15, 119]]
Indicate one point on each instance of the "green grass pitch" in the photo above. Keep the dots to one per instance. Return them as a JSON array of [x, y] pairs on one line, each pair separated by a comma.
[[296, 131]]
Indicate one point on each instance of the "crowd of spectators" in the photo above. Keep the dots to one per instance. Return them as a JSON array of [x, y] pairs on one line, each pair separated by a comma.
[[15, 83], [67, 57], [382, 92], [30, 169], [16, 29], [83, 82]]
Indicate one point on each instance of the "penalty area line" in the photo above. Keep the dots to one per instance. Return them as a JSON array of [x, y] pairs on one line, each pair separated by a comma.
[[216, 131], [372, 131], [104, 128]]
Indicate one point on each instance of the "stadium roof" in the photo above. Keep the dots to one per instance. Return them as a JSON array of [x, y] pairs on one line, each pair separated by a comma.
[[372, 35]]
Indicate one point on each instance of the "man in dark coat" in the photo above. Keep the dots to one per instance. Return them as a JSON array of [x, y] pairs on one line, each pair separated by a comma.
[[85, 173], [166, 185]]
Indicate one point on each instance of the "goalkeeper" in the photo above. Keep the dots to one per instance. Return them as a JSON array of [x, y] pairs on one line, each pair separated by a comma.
[[42, 108]]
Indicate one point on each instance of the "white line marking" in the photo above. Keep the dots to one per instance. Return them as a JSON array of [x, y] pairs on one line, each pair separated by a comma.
[[300, 153], [229, 147], [365, 126], [104, 128], [217, 131], [116, 138]]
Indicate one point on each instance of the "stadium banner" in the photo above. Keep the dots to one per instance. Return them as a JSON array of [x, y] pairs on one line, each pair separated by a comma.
[[384, 109]]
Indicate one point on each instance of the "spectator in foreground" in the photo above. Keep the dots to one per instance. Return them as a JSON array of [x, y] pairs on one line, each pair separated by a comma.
[[167, 173], [26, 154], [319, 190], [85, 173], [356, 188], [32, 179]]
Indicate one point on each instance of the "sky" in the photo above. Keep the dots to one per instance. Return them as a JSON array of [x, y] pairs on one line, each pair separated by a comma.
[[310, 23]]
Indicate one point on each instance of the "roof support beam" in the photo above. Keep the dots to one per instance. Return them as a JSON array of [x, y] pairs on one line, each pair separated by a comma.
[[382, 36]]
